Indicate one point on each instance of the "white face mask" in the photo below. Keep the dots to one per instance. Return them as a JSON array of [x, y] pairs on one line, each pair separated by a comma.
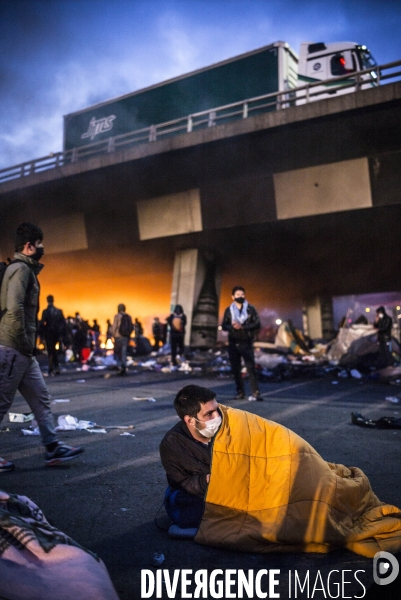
[[211, 427]]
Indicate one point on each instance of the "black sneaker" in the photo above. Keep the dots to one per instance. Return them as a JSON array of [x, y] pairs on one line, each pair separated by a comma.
[[240, 396], [6, 465], [61, 454]]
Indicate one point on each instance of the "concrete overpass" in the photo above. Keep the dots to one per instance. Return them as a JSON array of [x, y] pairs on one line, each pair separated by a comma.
[[297, 205]]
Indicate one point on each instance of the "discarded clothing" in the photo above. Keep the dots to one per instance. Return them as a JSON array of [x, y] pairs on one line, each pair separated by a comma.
[[39, 561], [382, 423], [270, 491]]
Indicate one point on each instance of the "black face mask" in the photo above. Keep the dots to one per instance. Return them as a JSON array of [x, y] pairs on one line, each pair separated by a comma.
[[38, 254], [240, 300]]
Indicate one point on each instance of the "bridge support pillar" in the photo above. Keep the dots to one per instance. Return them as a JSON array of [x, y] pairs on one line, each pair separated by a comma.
[[196, 286], [318, 318]]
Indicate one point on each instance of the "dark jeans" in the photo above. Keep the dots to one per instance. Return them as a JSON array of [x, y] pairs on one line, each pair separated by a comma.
[[120, 351], [177, 346], [184, 509], [22, 373], [244, 350], [52, 352]]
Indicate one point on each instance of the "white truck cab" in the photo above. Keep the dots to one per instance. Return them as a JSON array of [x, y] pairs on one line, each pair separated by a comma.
[[322, 62]]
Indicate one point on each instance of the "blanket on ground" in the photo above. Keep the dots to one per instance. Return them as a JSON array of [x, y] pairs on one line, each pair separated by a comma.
[[270, 491], [39, 561]]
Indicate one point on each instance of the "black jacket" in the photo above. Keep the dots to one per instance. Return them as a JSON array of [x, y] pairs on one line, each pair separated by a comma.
[[384, 326], [52, 323], [249, 327], [185, 460]]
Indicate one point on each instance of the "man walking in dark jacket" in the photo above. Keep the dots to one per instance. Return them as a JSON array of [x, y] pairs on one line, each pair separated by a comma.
[[241, 320], [53, 329], [121, 332], [383, 323], [177, 322], [19, 369]]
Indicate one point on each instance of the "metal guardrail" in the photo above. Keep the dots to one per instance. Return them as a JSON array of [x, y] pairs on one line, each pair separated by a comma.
[[223, 114]]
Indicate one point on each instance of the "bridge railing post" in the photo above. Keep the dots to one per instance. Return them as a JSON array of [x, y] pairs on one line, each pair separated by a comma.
[[189, 124], [152, 133], [27, 169], [245, 110], [111, 145], [74, 155]]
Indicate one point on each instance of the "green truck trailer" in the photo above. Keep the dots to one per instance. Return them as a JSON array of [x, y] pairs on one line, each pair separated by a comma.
[[273, 68]]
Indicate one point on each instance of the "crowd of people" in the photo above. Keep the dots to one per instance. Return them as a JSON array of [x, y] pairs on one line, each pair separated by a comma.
[[84, 339]]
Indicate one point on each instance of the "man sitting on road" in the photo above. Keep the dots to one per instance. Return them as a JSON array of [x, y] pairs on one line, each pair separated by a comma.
[[185, 453], [251, 484]]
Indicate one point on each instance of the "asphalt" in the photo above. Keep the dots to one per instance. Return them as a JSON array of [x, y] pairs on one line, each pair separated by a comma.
[[108, 498]]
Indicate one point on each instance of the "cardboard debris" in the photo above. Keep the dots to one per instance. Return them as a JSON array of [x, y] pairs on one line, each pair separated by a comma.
[[20, 417], [291, 338]]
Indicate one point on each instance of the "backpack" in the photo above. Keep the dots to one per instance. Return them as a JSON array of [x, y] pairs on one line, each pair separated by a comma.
[[3, 267], [126, 327], [177, 324]]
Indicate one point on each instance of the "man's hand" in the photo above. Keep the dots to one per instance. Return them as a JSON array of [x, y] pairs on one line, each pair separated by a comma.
[[237, 325], [208, 478]]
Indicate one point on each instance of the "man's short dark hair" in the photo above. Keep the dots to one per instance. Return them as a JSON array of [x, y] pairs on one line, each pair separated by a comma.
[[27, 232], [237, 288], [189, 399], [50, 299]]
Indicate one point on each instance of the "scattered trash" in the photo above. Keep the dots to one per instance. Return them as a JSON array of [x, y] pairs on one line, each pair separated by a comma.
[[124, 509], [185, 367], [129, 434], [158, 559], [81, 380], [117, 426], [20, 417], [69, 423], [356, 374], [60, 400], [382, 423], [334, 382], [109, 361], [95, 430], [34, 431], [393, 399], [168, 369], [139, 398], [69, 355]]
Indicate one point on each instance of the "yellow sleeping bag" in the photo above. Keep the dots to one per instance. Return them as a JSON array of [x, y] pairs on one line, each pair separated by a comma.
[[270, 491]]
